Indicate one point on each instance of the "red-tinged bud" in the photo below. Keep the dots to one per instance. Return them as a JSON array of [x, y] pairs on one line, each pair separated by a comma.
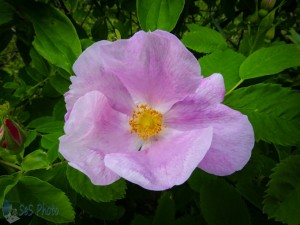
[[267, 4], [12, 136]]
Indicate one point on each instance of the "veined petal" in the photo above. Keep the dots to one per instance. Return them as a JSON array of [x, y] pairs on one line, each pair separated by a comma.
[[165, 71], [147, 64], [195, 110], [167, 162], [233, 140], [93, 74], [211, 89], [233, 136], [92, 165], [92, 129]]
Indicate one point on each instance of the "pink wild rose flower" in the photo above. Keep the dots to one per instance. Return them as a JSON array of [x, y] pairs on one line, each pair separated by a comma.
[[139, 109]]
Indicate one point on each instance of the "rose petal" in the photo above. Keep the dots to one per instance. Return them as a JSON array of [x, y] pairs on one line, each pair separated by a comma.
[[92, 165], [195, 110], [92, 129], [147, 64], [154, 72], [93, 74], [167, 162], [232, 143], [211, 89], [233, 136]]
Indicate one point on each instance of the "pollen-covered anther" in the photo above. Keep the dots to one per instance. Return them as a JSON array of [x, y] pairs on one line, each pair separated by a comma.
[[146, 122]]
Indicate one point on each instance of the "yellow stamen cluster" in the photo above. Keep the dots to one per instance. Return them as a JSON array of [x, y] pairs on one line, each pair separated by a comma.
[[146, 122]]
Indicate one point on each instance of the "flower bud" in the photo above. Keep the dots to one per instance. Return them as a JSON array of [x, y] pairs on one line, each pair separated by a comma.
[[253, 18], [270, 33], [267, 4], [262, 12], [12, 136]]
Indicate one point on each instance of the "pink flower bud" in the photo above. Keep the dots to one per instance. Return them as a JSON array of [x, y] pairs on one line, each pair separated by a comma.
[[12, 136], [267, 4]]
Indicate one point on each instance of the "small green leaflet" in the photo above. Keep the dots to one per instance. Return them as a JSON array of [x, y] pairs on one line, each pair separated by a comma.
[[47, 125], [225, 62], [56, 38], [7, 182], [283, 194], [271, 60], [204, 40], [43, 199], [6, 12], [165, 211], [273, 111], [37, 159], [159, 14], [220, 202], [82, 184]]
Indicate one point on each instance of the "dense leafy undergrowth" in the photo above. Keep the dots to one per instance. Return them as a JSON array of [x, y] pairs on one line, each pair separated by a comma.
[[255, 45]]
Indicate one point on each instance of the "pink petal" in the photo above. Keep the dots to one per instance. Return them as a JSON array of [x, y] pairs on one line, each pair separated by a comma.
[[147, 64], [92, 74], [211, 89], [92, 130], [195, 110], [233, 136], [92, 165], [153, 69], [232, 143], [167, 162]]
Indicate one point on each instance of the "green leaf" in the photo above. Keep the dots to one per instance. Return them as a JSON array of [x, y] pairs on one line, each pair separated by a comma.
[[44, 200], [60, 84], [39, 63], [41, 120], [37, 159], [56, 38], [272, 110], [283, 194], [85, 43], [225, 62], [294, 37], [165, 212], [159, 14], [100, 30], [82, 184], [250, 181], [7, 182], [50, 142], [271, 60], [31, 135], [6, 12], [46, 125], [59, 109], [221, 204], [258, 40], [204, 40]]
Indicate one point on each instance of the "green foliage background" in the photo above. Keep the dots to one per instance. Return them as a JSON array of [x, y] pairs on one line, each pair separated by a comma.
[[254, 44]]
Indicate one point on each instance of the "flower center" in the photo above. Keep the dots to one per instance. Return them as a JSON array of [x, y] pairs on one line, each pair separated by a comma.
[[146, 122]]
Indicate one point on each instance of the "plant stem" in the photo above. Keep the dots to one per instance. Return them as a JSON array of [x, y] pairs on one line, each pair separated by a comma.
[[10, 165], [235, 86]]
